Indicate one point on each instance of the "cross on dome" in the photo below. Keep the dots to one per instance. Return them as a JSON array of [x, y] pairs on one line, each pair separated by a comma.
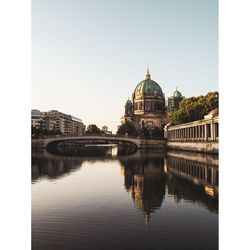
[[147, 75]]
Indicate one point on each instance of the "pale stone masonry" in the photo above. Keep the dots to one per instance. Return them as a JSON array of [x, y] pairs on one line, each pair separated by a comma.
[[202, 135]]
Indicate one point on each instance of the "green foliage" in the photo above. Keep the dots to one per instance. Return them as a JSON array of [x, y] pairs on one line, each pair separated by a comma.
[[36, 132], [145, 132], [93, 129], [127, 129], [194, 108], [157, 132]]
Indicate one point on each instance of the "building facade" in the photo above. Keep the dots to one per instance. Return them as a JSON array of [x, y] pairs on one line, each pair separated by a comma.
[[147, 109], [37, 119], [55, 121], [174, 101], [198, 136], [78, 128]]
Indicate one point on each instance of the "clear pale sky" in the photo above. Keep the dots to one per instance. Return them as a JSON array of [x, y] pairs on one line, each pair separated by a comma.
[[88, 56]]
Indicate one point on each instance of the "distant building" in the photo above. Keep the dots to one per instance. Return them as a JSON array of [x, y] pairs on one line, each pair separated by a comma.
[[37, 119], [105, 129], [174, 101], [63, 121], [54, 120], [78, 128], [50, 123]]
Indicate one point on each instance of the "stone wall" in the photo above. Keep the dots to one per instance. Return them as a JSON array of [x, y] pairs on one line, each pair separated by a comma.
[[203, 147]]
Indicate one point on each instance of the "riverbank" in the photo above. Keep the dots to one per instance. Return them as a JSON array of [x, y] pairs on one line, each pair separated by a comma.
[[207, 147]]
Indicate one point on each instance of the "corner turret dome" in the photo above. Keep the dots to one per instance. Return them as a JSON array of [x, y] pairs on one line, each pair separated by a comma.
[[177, 94], [128, 103], [148, 87]]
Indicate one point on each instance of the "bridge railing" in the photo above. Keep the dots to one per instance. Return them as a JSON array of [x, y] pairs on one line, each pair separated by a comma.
[[99, 135]]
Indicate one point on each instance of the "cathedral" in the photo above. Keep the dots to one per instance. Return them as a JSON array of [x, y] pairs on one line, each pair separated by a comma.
[[147, 109]]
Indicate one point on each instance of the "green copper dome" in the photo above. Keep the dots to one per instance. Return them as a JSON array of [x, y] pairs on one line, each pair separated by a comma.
[[129, 103], [148, 87], [177, 94]]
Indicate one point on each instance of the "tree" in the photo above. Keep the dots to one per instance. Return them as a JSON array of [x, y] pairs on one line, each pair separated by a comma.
[[36, 132], [194, 108], [157, 132], [93, 129], [127, 129]]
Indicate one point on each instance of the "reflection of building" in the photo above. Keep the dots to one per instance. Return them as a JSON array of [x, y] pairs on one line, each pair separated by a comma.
[[52, 167], [174, 101], [147, 108], [145, 178], [192, 177], [188, 176]]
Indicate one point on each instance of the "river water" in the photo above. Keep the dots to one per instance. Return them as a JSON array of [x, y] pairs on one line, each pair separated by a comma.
[[101, 198]]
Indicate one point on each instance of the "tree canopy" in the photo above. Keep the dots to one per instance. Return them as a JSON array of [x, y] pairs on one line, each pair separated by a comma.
[[194, 108], [36, 132], [127, 128], [93, 129]]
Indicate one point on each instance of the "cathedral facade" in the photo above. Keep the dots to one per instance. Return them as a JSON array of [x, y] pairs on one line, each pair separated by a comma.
[[147, 109]]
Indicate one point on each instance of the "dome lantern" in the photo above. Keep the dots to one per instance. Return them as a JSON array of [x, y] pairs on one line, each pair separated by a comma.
[[148, 75]]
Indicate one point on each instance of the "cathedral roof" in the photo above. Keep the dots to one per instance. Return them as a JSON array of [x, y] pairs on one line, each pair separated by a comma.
[[148, 87], [177, 94], [128, 103]]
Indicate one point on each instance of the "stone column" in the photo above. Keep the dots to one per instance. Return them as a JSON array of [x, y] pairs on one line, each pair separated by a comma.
[[205, 135], [212, 131]]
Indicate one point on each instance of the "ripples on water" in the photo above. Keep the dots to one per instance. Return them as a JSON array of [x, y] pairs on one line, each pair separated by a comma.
[[138, 201]]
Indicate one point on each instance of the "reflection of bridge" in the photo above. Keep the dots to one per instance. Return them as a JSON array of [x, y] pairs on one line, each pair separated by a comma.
[[107, 139]]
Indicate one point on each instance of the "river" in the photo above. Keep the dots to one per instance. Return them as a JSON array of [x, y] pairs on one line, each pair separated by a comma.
[[104, 197]]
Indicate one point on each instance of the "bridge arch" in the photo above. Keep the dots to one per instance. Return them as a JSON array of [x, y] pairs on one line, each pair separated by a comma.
[[51, 142]]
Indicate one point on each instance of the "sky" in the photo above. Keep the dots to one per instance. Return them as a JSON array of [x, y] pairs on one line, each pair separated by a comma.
[[88, 56]]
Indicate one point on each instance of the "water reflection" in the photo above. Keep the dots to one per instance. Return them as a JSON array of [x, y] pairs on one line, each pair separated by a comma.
[[97, 208], [186, 176], [95, 150], [197, 172], [48, 166], [144, 177]]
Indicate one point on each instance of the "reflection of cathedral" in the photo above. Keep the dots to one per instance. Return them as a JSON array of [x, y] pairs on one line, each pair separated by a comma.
[[147, 176], [145, 179], [147, 108]]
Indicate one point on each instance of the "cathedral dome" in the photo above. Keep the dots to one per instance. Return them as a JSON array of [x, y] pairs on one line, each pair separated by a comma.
[[128, 103], [148, 87], [177, 94]]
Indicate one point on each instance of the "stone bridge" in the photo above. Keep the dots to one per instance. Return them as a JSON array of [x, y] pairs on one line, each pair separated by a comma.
[[140, 143]]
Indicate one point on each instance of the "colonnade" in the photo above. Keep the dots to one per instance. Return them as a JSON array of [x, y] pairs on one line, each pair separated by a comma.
[[204, 130]]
